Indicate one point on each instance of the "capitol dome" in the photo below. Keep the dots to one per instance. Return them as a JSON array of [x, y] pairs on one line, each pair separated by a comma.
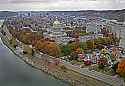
[[57, 24]]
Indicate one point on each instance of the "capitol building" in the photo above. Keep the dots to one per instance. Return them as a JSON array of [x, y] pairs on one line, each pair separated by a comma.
[[57, 33], [57, 24]]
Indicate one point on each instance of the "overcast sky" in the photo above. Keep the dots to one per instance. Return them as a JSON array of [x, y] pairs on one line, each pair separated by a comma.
[[43, 5]]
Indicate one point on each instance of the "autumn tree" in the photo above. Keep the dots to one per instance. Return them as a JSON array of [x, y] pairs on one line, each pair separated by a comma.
[[48, 47], [40, 45], [25, 36], [121, 68], [73, 46], [37, 40], [28, 50], [73, 56], [90, 44], [52, 49], [13, 42], [79, 50]]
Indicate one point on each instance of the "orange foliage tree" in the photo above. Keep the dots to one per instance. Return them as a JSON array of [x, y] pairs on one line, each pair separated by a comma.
[[79, 50], [43, 45], [121, 68], [53, 49], [48, 47]]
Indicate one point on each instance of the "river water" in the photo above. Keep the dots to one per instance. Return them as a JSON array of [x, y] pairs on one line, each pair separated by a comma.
[[15, 72]]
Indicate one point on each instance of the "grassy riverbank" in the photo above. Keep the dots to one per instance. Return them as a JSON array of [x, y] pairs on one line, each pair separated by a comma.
[[33, 63], [58, 71]]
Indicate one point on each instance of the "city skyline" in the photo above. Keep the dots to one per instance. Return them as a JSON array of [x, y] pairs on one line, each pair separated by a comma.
[[60, 5]]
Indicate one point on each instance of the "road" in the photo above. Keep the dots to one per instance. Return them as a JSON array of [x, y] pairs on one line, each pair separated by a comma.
[[96, 75]]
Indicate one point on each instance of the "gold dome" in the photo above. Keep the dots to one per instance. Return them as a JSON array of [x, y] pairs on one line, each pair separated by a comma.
[[56, 24]]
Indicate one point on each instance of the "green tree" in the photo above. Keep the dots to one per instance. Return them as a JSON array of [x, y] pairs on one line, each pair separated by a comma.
[[73, 56], [83, 45], [13, 42], [65, 50], [28, 50], [90, 44], [73, 46]]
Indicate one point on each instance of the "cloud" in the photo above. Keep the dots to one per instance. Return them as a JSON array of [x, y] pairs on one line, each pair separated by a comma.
[[46, 1], [32, 1], [61, 4]]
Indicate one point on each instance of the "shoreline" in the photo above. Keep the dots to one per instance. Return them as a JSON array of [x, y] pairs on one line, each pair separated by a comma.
[[28, 63], [56, 74]]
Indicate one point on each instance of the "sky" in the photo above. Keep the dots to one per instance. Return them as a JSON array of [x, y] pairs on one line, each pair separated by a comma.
[[60, 5]]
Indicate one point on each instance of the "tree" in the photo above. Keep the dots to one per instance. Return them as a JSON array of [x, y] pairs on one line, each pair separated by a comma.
[[25, 37], [79, 50], [13, 42], [48, 47], [115, 40], [65, 50], [90, 44], [121, 68], [73, 46], [83, 45], [52, 49], [73, 56], [28, 50], [44, 45], [102, 62]]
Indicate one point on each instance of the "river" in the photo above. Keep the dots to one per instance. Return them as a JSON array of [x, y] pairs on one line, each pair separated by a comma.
[[15, 72]]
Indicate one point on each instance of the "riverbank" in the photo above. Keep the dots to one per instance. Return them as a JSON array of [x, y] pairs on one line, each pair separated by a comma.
[[60, 71], [27, 60], [15, 72]]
